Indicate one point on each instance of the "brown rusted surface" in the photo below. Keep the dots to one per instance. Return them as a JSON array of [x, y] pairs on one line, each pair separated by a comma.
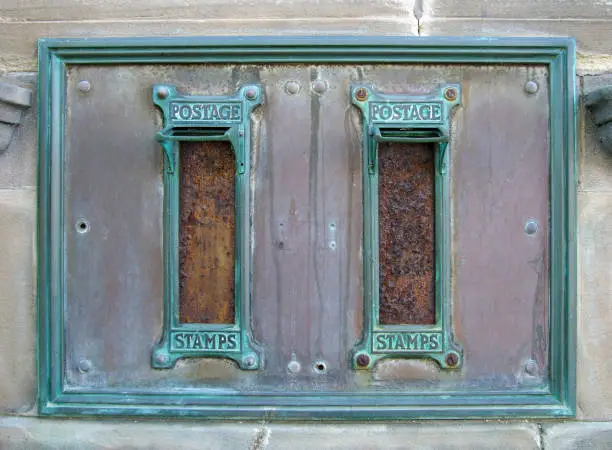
[[206, 246], [406, 221]]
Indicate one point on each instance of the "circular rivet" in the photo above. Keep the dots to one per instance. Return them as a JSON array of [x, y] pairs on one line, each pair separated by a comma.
[[532, 368], [362, 360], [319, 86], [250, 361], [450, 94], [161, 358], [531, 227], [82, 226], [361, 94], [292, 87], [452, 360], [84, 365], [162, 92], [84, 86], [294, 366], [251, 93], [531, 87]]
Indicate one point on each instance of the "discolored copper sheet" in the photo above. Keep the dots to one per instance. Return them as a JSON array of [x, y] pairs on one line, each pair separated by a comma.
[[406, 233], [207, 229]]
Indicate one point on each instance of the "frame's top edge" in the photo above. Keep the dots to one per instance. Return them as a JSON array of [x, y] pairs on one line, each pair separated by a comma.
[[346, 42]]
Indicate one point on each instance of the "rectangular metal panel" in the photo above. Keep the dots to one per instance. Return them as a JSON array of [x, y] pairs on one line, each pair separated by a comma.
[[304, 228]]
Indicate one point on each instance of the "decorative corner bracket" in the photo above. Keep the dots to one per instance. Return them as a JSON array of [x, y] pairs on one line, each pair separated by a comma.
[[13, 101], [409, 119], [599, 102], [206, 118]]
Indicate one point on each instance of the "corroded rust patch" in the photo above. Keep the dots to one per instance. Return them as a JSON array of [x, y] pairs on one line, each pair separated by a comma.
[[206, 236], [406, 233]]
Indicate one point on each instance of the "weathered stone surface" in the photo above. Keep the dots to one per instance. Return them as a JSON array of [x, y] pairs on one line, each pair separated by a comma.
[[578, 436], [401, 436], [591, 35], [18, 39], [30, 433], [595, 162], [527, 9], [17, 304], [18, 162], [595, 305], [31, 10]]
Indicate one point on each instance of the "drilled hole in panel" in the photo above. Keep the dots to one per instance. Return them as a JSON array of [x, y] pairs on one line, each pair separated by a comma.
[[207, 231], [406, 234]]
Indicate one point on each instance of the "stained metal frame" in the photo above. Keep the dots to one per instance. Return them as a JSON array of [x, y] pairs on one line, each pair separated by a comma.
[[411, 341], [238, 132], [556, 399]]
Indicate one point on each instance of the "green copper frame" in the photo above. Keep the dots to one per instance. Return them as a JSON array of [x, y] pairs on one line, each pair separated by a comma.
[[404, 123], [556, 399], [232, 124]]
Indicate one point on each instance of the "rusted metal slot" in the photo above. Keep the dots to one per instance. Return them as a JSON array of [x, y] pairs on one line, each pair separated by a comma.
[[407, 296], [207, 310], [206, 233], [406, 234]]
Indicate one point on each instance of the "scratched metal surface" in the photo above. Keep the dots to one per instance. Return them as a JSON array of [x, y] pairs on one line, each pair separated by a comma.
[[306, 224]]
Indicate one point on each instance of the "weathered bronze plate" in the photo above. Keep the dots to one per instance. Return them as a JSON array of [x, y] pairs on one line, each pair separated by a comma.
[[304, 236]]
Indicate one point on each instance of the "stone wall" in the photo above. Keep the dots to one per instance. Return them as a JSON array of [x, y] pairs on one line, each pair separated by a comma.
[[23, 22]]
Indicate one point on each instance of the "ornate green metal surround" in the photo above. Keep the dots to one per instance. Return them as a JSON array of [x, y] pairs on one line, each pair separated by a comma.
[[411, 119], [221, 118], [556, 399]]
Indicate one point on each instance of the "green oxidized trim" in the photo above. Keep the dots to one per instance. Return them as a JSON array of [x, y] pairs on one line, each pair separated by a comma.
[[411, 119], [218, 118], [558, 399]]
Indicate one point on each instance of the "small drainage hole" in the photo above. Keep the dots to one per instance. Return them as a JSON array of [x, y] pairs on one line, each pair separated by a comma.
[[82, 226], [320, 367]]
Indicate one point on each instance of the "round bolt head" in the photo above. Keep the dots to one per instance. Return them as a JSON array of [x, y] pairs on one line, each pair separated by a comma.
[[362, 360], [251, 93], [84, 365], [452, 360], [292, 87], [532, 368], [531, 227], [161, 358], [163, 92], [294, 366], [84, 86], [531, 87], [250, 361], [319, 86], [361, 94], [450, 94]]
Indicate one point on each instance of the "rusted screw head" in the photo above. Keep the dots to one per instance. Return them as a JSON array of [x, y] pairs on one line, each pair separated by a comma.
[[162, 92], [452, 359], [251, 93], [361, 94], [363, 360], [84, 86], [450, 94]]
